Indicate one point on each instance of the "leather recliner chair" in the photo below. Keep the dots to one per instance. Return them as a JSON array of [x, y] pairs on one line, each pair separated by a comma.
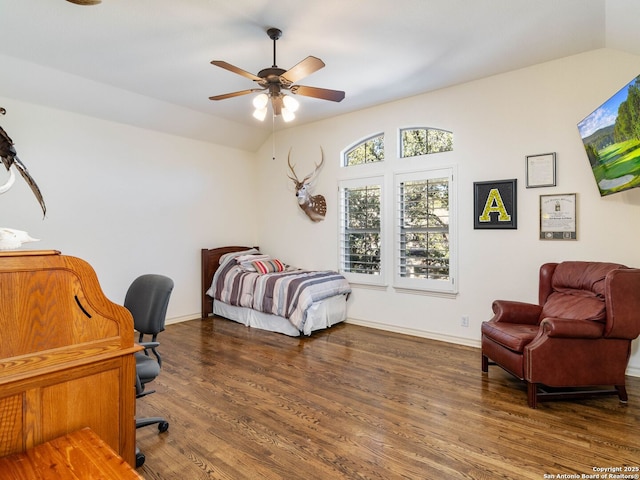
[[577, 340]]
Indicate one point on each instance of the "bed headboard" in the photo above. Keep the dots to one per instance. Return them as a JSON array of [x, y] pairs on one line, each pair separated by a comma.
[[209, 265]]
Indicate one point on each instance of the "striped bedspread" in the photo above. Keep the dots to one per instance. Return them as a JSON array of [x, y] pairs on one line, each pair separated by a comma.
[[288, 294]]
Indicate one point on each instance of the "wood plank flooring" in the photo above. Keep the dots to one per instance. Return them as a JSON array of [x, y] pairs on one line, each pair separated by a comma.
[[357, 403]]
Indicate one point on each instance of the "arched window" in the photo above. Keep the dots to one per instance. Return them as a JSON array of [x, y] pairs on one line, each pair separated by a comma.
[[398, 225], [369, 151], [423, 141]]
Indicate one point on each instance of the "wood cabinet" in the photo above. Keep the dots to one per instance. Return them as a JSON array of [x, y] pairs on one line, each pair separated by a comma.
[[66, 355]]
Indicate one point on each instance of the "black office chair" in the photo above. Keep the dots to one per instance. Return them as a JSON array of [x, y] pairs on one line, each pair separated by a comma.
[[147, 299]]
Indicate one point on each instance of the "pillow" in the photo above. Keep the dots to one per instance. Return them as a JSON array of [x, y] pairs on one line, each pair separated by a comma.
[[251, 257], [226, 256], [268, 266]]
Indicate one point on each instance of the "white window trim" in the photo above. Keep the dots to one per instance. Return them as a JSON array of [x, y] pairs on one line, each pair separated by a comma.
[[362, 278], [399, 145], [343, 154], [437, 287]]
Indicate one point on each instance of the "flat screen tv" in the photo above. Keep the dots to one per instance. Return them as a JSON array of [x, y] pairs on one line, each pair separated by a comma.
[[611, 138]]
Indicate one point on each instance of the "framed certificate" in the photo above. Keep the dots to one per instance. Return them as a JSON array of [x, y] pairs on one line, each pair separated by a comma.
[[541, 170], [558, 217]]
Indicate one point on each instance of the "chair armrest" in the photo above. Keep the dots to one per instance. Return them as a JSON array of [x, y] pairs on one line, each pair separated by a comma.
[[516, 312], [568, 328], [151, 346]]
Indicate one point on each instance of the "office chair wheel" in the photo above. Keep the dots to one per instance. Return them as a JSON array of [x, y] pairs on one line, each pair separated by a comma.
[[140, 458], [163, 426]]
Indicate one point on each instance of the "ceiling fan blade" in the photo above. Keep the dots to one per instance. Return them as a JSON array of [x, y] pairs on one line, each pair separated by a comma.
[[234, 69], [303, 69], [235, 94], [322, 93]]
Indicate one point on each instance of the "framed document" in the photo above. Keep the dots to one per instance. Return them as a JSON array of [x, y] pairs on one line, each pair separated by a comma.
[[558, 217], [541, 170]]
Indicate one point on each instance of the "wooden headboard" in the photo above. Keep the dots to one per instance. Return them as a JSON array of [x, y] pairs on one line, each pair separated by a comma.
[[210, 263]]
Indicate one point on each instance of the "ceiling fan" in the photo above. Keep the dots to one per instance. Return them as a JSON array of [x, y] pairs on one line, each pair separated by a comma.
[[274, 80]]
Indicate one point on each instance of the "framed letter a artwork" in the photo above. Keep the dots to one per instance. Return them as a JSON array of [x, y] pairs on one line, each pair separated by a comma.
[[495, 204]]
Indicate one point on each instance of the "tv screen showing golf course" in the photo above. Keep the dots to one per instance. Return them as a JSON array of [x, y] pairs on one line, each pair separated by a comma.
[[611, 138]]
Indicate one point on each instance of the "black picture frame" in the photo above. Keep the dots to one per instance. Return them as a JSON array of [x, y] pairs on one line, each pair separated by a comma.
[[495, 205]]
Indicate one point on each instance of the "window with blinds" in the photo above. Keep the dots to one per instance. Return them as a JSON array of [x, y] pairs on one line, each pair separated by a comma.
[[423, 230], [361, 229], [397, 218]]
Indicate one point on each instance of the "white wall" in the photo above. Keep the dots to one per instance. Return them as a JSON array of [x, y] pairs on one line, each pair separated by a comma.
[[127, 200], [133, 201], [496, 122]]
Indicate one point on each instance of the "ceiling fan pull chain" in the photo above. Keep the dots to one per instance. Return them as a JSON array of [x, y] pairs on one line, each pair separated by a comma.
[[273, 137]]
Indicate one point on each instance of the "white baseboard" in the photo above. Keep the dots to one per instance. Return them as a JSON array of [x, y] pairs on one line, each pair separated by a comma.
[[183, 318], [416, 333], [633, 372]]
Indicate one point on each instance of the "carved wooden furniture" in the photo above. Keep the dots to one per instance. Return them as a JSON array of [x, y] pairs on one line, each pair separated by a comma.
[[66, 355], [81, 454]]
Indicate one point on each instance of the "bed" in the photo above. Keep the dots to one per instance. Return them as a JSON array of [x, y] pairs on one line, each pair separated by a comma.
[[274, 296]]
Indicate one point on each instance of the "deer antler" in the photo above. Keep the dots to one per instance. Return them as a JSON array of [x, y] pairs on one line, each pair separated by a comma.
[[295, 177], [309, 178]]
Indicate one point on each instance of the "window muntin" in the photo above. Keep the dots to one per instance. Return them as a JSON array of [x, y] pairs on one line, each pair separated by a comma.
[[423, 230], [368, 151], [423, 141], [361, 230]]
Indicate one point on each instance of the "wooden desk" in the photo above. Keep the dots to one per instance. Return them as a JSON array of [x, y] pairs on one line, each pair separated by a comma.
[[66, 355], [80, 455]]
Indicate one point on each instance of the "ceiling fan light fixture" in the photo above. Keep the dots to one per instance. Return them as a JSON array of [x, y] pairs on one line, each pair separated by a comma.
[[260, 101], [260, 113], [274, 80], [287, 115], [290, 103]]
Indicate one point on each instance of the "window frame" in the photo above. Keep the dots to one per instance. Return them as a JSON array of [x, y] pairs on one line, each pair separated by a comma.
[[426, 129], [360, 143], [449, 286], [362, 278]]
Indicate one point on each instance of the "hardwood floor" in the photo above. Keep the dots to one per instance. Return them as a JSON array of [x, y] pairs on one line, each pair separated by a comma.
[[359, 403]]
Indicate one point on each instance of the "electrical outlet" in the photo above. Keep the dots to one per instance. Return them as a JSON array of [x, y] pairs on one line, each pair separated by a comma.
[[464, 321]]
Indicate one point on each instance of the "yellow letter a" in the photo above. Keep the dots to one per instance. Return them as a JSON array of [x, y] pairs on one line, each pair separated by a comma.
[[494, 203]]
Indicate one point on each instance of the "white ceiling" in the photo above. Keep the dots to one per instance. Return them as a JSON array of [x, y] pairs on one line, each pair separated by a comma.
[[146, 62]]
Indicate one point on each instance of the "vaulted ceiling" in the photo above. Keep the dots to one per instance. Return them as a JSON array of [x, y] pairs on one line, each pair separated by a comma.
[[147, 62]]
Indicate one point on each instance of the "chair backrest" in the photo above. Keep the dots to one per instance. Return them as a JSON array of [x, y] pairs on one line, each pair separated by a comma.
[[622, 292], [147, 299], [598, 291]]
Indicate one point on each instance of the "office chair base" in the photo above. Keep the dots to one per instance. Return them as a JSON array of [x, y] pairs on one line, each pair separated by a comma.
[[163, 425], [140, 458]]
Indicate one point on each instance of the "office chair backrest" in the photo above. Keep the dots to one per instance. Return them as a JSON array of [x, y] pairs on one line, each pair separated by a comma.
[[147, 299]]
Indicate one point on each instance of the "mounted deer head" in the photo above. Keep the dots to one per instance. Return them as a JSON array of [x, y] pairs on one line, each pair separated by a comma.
[[314, 206]]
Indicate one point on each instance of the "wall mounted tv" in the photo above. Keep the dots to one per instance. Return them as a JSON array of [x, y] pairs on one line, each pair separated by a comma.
[[611, 138]]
